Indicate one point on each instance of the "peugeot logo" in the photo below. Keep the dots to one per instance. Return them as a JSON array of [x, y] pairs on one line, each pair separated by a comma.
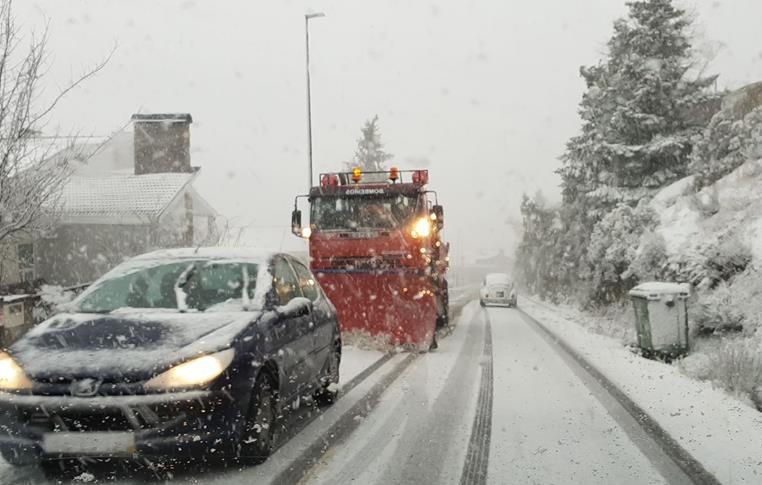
[[85, 388]]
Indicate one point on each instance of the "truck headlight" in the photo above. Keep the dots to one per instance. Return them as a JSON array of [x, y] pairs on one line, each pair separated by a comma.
[[193, 373], [12, 377], [421, 228]]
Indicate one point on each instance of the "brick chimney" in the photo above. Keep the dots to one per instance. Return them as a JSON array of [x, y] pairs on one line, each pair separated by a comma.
[[162, 143]]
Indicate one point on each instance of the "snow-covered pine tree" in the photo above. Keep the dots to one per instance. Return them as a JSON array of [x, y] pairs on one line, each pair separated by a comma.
[[370, 155], [643, 105]]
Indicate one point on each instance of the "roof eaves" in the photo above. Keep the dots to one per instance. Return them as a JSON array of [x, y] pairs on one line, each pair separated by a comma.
[[180, 190]]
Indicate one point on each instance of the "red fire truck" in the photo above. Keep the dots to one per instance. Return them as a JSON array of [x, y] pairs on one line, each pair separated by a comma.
[[376, 246]]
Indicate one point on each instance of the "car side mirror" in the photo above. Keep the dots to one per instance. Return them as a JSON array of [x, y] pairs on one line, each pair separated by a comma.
[[297, 307], [296, 222]]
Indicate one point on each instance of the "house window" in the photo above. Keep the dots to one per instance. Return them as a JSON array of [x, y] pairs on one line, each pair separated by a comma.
[[25, 253]]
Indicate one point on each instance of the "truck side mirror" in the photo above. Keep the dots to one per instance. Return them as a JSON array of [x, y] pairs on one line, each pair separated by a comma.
[[296, 222], [438, 211]]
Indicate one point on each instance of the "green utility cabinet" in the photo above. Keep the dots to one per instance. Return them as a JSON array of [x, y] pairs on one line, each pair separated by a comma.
[[661, 318]]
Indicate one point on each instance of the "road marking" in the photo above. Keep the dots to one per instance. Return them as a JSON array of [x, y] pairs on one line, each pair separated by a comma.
[[477, 455], [294, 428], [678, 456], [302, 465]]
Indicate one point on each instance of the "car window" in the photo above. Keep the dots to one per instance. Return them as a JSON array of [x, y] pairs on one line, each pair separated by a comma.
[[206, 284], [285, 283], [307, 282]]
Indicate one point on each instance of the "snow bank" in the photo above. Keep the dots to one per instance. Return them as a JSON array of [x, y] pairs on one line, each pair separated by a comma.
[[722, 433]]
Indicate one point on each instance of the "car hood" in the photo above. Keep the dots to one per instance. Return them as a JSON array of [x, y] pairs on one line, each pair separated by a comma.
[[124, 346]]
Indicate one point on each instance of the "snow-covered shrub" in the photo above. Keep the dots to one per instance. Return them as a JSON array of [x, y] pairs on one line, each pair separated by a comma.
[[728, 258], [746, 294], [717, 311], [651, 259], [685, 268], [726, 144], [53, 299], [733, 364], [613, 247]]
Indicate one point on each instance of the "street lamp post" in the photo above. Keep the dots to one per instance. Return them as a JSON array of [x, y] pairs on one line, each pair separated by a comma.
[[307, 18]]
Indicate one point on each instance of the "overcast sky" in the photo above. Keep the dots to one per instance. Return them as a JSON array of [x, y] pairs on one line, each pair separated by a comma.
[[482, 93]]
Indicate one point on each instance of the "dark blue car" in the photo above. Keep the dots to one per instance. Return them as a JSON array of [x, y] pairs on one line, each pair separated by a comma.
[[174, 353]]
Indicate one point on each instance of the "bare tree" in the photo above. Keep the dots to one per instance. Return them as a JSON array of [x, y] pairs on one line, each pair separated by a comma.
[[31, 178]]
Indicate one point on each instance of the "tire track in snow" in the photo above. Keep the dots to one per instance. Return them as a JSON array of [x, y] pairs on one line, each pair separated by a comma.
[[679, 457], [477, 455], [412, 440], [341, 429]]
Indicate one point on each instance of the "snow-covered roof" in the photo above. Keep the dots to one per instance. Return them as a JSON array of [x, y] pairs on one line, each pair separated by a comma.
[[133, 196], [655, 289]]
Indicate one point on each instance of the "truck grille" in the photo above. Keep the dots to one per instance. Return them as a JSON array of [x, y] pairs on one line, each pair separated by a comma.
[[368, 263]]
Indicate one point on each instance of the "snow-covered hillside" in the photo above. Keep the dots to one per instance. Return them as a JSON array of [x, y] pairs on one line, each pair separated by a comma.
[[731, 207]]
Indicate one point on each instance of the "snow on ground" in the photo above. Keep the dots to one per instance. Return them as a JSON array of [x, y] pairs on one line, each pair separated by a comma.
[[722, 433], [420, 429], [354, 361], [547, 427]]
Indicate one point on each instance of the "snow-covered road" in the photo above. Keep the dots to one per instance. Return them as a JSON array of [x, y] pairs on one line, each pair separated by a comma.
[[499, 402]]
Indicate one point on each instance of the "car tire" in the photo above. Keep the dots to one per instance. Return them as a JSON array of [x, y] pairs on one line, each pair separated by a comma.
[[329, 384], [257, 441], [482, 304]]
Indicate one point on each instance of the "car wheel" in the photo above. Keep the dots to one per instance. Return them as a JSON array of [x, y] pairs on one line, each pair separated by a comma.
[[329, 385], [481, 302], [258, 437]]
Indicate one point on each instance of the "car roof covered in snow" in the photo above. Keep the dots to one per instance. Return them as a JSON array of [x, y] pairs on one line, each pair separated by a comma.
[[249, 254], [497, 278], [655, 289]]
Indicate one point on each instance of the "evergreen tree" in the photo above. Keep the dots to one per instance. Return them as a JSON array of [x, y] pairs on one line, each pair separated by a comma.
[[370, 155], [639, 112], [643, 107]]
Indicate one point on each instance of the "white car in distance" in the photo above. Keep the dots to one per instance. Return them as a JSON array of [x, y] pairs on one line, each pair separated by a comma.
[[498, 290]]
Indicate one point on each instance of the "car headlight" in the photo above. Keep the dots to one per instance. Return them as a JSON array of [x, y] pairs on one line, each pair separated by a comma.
[[12, 377], [193, 373], [421, 228]]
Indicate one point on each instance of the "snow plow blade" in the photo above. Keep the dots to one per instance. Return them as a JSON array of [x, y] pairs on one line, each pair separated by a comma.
[[390, 309]]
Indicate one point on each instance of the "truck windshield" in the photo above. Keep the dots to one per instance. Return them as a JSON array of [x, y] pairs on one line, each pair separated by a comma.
[[354, 213]]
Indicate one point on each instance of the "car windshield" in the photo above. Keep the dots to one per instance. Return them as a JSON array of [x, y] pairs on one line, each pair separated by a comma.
[[180, 285], [354, 213]]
